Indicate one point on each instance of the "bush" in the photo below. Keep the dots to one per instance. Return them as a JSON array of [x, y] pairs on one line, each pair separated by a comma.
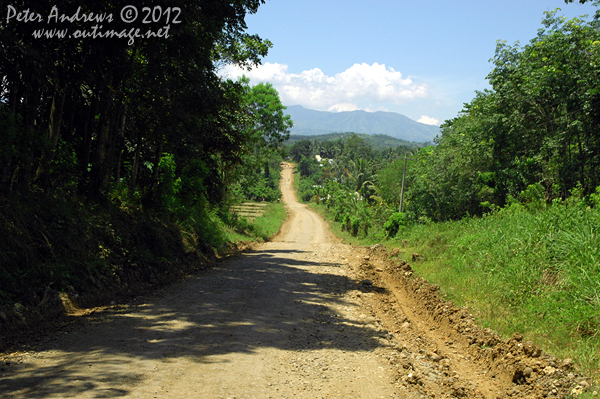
[[306, 191], [394, 223], [168, 186]]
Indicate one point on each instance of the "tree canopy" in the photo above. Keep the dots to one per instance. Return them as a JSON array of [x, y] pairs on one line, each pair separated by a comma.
[[84, 113], [534, 134]]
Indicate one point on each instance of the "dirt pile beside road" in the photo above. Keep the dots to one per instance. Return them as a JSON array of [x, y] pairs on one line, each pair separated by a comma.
[[445, 351]]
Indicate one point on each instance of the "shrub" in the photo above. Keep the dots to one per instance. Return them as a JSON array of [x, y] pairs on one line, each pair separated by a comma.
[[394, 223]]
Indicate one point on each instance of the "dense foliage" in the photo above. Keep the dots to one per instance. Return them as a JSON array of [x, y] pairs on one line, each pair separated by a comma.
[[258, 178], [81, 115], [359, 184], [535, 133], [118, 157]]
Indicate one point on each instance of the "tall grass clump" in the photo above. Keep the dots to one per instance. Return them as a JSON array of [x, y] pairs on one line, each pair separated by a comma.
[[269, 224]]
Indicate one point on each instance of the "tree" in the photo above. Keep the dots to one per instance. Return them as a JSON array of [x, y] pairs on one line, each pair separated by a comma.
[[301, 149], [536, 128], [548, 91], [361, 177], [389, 183], [93, 110], [269, 125], [265, 127], [356, 148]]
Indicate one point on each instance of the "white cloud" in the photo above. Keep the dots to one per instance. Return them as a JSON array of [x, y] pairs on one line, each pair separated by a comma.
[[428, 120], [361, 86], [342, 107]]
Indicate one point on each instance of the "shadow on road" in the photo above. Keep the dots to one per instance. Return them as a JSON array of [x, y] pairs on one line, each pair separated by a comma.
[[260, 299]]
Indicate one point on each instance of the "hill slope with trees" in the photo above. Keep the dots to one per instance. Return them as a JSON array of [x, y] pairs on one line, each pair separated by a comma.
[[377, 141]]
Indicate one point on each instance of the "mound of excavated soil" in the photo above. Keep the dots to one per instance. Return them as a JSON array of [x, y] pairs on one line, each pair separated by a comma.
[[444, 351]]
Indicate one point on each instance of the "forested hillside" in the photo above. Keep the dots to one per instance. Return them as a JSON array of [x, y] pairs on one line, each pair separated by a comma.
[[376, 141], [119, 157]]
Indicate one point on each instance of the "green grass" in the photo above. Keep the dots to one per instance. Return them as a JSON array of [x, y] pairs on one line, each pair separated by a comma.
[[263, 228], [269, 224], [537, 273]]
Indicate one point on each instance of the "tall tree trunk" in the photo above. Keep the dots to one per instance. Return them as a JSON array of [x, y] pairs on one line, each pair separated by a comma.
[[119, 142], [86, 145], [56, 114], [157, 158], [97, 173], [13, 97], [30, 106], [135, 165], [118, 163]]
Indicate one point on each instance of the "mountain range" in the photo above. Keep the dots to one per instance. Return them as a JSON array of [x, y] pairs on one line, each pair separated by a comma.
[[310, 122]]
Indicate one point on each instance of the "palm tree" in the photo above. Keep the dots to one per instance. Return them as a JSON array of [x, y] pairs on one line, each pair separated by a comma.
[[361, 176]]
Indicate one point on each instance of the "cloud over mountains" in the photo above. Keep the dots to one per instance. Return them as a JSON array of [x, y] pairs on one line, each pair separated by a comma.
[[362, 86]]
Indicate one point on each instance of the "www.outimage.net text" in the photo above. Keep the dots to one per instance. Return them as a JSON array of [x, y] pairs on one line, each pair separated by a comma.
[[128, 14]]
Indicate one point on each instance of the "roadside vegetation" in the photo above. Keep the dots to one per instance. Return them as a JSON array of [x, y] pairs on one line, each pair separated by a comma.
[[503, 211], [532, 271]]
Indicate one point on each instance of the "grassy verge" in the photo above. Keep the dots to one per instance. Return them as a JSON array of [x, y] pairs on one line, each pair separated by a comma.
[[263, 227], [269, 224], [531, 272], [536, 272]]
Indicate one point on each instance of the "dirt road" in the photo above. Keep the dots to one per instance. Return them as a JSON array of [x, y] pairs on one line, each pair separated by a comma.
[[294, 318]]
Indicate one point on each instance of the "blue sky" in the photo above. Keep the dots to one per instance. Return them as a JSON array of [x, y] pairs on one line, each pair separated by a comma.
[[423, 59]]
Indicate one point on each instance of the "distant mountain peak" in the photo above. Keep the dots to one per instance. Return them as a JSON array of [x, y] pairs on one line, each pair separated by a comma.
[[311, 122]]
